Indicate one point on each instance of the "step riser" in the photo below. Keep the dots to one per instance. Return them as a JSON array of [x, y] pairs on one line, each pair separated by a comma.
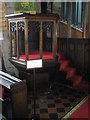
[[70, 75], [63, 65], [76, 83]]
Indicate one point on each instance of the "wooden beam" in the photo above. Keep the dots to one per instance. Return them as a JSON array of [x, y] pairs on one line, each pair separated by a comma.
[[15, 44], [10, 40], [51, 7], [85, 17], [40, 42], [44, 7], [54, 44], [17, 40], [89, 19], [68, 20], [26, 39]]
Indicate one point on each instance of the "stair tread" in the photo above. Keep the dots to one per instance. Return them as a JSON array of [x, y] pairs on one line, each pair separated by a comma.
[[68, 69], [70, 72], [62, 61], [64, 64], [76, 77], [59, 54]]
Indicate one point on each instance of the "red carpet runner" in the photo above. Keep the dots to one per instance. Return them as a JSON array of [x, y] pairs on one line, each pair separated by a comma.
[[82, 111]]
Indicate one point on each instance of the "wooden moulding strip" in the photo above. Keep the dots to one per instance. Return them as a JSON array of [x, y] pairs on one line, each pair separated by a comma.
[[75, 108]]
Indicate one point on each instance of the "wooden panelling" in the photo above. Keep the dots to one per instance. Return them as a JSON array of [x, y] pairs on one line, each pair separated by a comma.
[[19, 100], [78, 50], [75, 33], [63, 30]]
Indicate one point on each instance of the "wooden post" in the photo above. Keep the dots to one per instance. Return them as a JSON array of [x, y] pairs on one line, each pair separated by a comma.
[[41, 43], [17, 40], [34, 90], [54, 45], [69, 20], [44, 7], [89, 19], [51, 7], [10, 40], [85, 19], [15, 44], [26, 39], [68, 26]]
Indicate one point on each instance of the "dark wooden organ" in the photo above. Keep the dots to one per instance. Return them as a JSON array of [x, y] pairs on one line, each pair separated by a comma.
[[13, 96]]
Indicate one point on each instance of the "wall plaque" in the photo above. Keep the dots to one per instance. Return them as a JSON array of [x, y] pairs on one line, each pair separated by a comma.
[[24, 7], [34, 64]]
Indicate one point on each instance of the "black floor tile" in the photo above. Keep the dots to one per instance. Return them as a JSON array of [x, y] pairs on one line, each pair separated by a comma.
[[49, 97], [77, 96], [53, 116], [36, 106], [57, 105], [35, 117], [64, 97], [72, 100], [51, 105], [43, 111], [58, 101], [66, 104], [60, 110]]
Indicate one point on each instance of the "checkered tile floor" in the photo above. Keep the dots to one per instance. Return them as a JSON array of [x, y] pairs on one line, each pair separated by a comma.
[[54, 105]]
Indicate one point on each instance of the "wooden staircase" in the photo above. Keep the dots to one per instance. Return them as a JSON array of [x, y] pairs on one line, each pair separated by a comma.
[[65, 73]]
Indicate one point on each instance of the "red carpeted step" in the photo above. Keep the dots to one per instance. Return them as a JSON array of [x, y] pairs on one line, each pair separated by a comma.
[[76, 80], [63, 64], [70, 72], [59, 56]]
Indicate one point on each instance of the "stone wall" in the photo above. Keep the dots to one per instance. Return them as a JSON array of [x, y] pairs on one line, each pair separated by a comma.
[[5, 43]]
